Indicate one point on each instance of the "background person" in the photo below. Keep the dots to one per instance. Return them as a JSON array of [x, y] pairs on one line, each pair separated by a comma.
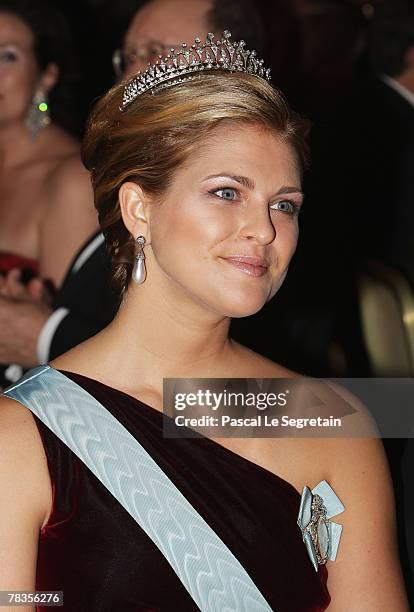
[[46, 210], [43, 185]]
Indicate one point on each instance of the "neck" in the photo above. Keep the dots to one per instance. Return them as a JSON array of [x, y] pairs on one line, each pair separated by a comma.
[[16, 144], [159, 336]]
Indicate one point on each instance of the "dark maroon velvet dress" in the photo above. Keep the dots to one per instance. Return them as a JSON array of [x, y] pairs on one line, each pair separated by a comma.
[[94, 551]]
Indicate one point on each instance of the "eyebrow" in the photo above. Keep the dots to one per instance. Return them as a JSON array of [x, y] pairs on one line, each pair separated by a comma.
[[12, 43], [250, 184], [243, 180], [287, 189]]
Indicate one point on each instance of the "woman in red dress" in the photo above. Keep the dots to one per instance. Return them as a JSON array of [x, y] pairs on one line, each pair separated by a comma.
[[46, 210]]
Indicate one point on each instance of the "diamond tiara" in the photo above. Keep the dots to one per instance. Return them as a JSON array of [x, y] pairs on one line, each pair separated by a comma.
[[181, 64]]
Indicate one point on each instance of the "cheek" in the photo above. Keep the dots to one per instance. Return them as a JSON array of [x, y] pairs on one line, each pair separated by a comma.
[[19, 86], [190, 229], [283, 250], [293, 239], [176, 239], [287, 233]]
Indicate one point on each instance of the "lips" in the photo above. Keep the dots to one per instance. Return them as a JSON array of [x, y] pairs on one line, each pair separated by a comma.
[[253, 266]]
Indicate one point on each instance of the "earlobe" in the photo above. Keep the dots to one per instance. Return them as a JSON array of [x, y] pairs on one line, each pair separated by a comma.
[[132, 202], [49, 78]]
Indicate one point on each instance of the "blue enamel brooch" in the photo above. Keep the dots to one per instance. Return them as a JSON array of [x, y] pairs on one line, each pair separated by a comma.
[[320, 535]]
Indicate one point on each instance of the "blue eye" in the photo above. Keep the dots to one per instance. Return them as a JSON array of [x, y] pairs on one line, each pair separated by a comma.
[[285, 206], [226, 194]]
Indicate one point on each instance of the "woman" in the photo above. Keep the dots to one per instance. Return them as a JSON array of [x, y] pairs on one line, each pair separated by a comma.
[[45, 197], [203, 167]]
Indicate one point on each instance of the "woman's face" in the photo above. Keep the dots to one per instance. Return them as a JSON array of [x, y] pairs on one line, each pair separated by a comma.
[[227, 227], [19, 75]]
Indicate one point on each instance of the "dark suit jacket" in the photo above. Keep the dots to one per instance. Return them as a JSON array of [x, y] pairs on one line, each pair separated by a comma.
[[408, 499], [378, 192], [88, 295]]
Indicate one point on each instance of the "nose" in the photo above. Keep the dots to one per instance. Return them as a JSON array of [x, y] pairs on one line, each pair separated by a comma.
[[258, 225]]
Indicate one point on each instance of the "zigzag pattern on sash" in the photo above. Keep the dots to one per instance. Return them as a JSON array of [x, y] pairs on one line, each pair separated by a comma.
[[208, 569]]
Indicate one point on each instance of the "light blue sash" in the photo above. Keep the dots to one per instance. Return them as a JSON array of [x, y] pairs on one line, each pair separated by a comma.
[[207, 568]]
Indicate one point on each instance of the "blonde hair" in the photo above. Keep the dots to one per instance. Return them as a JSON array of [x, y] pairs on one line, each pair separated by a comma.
[[156, 134]]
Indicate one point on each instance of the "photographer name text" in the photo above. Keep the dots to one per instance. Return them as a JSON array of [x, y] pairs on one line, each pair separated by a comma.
[[261, 420]]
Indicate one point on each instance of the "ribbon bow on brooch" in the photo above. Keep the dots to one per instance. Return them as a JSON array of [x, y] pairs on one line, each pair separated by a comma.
[[321, 536]]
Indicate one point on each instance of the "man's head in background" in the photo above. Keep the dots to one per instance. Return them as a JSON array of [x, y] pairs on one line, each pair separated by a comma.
[[391, 46], [161, 24]]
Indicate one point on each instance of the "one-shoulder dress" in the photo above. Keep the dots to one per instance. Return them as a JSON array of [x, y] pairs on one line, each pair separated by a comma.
[[102, 560]]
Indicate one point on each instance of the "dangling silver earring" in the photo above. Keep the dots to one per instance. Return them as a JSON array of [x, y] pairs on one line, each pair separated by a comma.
[[38, 116], [139, 273]]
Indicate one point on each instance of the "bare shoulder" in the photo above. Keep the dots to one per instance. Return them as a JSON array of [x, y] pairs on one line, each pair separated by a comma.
[[366, 574], [80, 358], [71, 196], [23, 458], [26, 495], [87, 360], [16, 424], [69, 218], [333, 400], [254, 365]]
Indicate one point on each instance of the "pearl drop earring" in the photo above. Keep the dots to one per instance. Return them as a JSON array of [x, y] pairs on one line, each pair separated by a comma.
[[139, 273]]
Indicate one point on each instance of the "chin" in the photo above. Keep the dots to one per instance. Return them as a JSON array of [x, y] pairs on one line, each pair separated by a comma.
[[245, 306], [247, 303], [242, 313]]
